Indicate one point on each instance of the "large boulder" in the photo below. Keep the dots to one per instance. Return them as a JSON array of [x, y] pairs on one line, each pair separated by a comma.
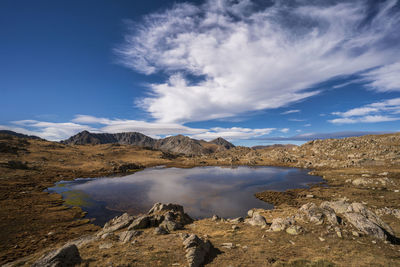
[[318, 215], [64, 257], [117, 223]]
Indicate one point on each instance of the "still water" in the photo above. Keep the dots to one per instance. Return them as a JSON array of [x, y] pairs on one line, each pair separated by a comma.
[[203, 191]]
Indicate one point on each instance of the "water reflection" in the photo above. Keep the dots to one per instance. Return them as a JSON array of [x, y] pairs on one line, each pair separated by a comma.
[[203, 191]]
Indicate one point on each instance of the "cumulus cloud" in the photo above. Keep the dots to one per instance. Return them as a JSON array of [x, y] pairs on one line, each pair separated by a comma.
[[382, 111], [58, 131], [223, 57], [285, 130]]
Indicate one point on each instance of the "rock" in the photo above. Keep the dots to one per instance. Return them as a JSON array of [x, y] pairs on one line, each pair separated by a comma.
[[339, 206], [105, 246], [321, 239], [250, 213], [363, 210], [160, 231], [256, 220], [171, 225], [140, 223], [228, 245], [235, 227], [318, 215], [294, 230], [280, 224], [236, 220], [65, 256], [365, 225], [355, 233], [117, 223], [158, 207], [310, 196], [127, 236], [196, 250], [215, 218]]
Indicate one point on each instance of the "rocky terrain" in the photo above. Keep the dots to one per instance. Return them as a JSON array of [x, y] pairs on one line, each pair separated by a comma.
[[176, 144], [351, 220]]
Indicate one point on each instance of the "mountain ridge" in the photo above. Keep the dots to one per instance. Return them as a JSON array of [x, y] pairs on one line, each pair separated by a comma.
[[179, 144]]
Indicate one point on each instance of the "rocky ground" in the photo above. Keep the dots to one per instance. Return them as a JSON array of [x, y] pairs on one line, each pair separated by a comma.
[[352, 220]]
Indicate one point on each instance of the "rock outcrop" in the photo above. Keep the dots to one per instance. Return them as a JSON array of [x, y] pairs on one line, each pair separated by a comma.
[[196, 249], [67, 256]]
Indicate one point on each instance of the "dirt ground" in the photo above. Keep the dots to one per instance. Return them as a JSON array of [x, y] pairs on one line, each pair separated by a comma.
[[33, 221]]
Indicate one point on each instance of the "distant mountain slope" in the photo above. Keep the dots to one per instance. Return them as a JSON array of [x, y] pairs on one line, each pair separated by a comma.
[[222, 142], [175, 144], [20, 135]]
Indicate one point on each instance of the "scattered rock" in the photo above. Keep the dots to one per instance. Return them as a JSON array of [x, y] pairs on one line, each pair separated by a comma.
[[235, 227], [117, 223], [237, 220], [65, 256]]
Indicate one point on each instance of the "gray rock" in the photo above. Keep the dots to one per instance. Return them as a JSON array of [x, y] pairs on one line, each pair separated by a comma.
[[365, 225], [318, 215], [256, 220], [339, 206], [160, 231], [280, 224], [196, 250], [215, 218], [237, 220], [127, 236], [171, 225], [140, 223], [117, 223], [63, 257]]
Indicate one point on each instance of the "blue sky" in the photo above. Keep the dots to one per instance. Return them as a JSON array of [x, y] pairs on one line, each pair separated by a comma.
[[253, 72]]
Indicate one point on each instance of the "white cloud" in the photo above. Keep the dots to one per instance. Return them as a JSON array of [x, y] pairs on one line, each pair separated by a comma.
[[248, 57], [234, 133], [291, 111], [382, 111], [384, 79], [285, 130], [297, 120]]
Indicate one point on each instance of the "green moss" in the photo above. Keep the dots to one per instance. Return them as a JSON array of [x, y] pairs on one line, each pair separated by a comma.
[[78, 198]]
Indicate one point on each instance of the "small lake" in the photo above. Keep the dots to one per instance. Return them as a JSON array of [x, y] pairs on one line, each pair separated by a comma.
[[203, 191]]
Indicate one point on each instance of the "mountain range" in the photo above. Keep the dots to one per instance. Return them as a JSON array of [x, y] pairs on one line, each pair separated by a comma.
[[174, 144]]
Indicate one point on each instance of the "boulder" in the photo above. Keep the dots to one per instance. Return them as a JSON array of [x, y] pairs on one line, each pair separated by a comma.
[[280, 224], [196, 250], [256, 220], [63, 257], [365, 225], [319, 215], [160, 231], [117, 223], [140, 223]]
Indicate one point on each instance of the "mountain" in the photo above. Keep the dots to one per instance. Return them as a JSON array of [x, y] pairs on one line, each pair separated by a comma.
[[20, 135], [222, 142], [178, 144]]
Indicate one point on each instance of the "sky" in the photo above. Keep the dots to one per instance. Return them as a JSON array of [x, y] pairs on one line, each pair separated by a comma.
[[253, 72]]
